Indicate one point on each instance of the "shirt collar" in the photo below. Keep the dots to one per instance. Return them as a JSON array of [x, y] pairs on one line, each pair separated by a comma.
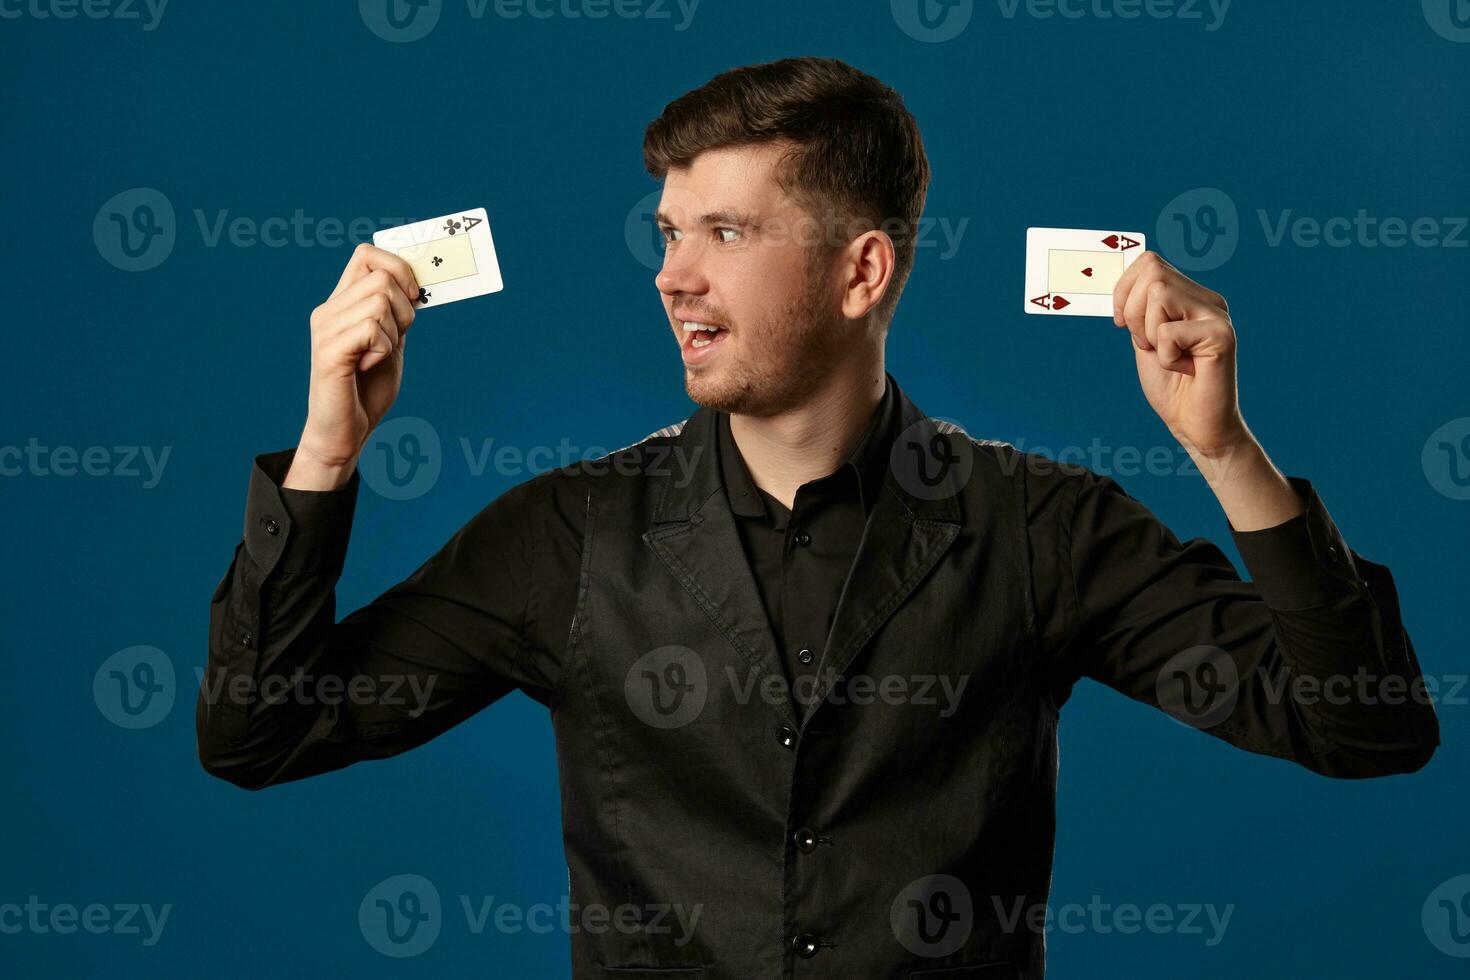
[[869, 459]]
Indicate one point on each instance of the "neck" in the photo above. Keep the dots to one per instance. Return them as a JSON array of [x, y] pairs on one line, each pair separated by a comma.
[[810, 441]]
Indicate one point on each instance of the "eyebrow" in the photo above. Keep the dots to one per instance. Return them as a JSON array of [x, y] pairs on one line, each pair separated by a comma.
[[726, 216]]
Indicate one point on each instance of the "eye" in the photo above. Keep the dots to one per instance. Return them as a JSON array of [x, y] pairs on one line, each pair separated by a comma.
[[670, 233], [732, 231]]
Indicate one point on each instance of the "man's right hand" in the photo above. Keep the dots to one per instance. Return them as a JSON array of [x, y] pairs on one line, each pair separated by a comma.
[[357, 341]]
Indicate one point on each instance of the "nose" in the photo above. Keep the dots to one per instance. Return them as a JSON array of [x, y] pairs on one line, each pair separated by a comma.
[[682, 271]]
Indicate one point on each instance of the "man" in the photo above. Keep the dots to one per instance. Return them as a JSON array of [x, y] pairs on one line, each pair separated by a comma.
[[805, 651]]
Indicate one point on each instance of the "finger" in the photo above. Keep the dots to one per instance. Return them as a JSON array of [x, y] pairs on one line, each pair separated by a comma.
[[380, 347], [1157, 301], [379, 281], [1135, 308], [1151, 265], [1142, 267], [1181, 341], [368, 258], [347, 324]]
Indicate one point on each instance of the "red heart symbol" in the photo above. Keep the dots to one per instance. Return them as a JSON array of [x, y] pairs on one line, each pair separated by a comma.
[[1059, 303], [1111, 241], [1087, 272]]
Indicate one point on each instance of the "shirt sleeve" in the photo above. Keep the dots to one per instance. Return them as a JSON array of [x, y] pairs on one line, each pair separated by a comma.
[[290, 692], [1308, 662]]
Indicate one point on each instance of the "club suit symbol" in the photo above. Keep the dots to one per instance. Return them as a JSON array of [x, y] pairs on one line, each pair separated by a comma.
[[932, 21], [1450, 19], [134, 688], [402, 459], [400, 21], [933, 916], [400, 916], [1445, 917], [1199, 230], [134, 230], [667, 687], [1198, 687], [1446, 459]]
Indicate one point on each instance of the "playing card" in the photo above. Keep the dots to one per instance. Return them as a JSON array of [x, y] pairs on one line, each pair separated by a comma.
[[1073, 272], [452, 257]]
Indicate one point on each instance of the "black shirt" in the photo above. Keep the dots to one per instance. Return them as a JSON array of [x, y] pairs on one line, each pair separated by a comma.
[[801, 556], [618, 598], [491, 609]]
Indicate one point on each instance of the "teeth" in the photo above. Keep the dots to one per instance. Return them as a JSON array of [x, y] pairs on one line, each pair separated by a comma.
[[690, 325], [700, 342]]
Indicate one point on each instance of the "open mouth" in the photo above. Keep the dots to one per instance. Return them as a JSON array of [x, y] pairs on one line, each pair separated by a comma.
[[700, 336]]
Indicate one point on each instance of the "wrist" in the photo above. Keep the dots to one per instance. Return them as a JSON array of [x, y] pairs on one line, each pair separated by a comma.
[[312, 469], [1217, 461]]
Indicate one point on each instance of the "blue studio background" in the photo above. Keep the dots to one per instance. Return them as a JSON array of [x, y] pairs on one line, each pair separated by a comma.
[[1205, 128]]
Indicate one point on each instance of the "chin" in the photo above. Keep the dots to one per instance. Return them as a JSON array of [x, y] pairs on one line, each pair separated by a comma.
[[741, 392], [716, 390]]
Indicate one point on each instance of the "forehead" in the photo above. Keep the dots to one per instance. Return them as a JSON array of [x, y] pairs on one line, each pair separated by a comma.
[[727, 178]]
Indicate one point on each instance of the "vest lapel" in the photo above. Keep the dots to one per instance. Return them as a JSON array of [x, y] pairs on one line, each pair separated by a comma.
[[694, 535], [914, 521]]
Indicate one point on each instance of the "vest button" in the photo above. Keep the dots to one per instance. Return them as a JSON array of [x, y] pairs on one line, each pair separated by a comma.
[[804, 655], [803, 538], [806, 945], [806, 840], [786, 735]]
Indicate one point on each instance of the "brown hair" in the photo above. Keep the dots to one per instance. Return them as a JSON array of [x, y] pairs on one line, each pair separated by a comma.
[[857, 155]]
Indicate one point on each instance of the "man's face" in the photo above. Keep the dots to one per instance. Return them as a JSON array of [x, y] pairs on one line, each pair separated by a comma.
[[743, 256]]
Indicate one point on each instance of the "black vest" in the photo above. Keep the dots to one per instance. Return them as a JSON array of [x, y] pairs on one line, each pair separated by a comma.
[[883, 825]]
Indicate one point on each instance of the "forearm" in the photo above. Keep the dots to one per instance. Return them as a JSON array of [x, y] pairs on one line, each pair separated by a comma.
[[1251, 490]]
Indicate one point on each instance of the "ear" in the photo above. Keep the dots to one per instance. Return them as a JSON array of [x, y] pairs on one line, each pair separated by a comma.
[[867, 270]]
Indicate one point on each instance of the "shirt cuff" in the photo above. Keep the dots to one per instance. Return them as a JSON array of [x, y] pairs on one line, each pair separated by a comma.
[[1302, 562], [297, 530]]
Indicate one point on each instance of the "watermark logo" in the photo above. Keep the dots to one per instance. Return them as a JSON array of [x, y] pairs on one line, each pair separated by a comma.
[[1125, 918], [35, 459], [1199, 230], [400, 21], [641, 232], [402, 459], [932, 21], [668, 248], [1198, 687], [1446, 459], [930, 463], [65, 918], [135, 229], [667, 687], [1446, 917], [401, 916], [134, 688], [122, 10], [932, 916], [1450, 19]]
